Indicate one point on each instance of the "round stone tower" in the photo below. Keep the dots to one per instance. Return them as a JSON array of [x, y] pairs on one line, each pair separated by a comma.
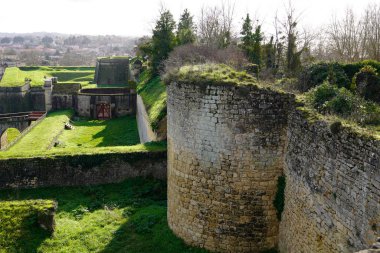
[[225, 153]]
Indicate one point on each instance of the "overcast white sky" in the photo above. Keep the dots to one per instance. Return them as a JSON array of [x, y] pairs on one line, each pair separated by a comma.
[[136, 18]]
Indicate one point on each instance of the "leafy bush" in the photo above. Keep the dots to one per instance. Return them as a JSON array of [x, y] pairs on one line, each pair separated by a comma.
[[367, 83], [337, 73], [201, 54], [329, 99], [252, 69], [318, 73], [321, 94], [343, 103], [337, 76], [352, 68]]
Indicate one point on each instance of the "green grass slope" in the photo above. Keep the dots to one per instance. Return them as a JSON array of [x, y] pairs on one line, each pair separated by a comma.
[[153, 93], [15, 76], [41, 136], [102, 133], [118, 135], [126, 217]]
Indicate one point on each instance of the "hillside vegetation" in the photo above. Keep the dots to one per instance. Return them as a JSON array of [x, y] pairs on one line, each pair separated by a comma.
[[344, 93], [153, 93], [15, 76], [125, 217]]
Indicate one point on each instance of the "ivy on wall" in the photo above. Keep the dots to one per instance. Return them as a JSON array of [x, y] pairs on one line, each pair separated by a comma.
[[279, 200]]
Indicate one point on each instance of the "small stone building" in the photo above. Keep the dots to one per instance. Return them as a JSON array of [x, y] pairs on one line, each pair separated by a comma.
[[106, 103], [112, 70]]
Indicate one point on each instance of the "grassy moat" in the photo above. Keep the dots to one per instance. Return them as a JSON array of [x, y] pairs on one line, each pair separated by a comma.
[[125, 217], [49, 137]]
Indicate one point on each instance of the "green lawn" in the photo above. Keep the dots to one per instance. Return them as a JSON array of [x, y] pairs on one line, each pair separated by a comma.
[[15, 76], [101, 133], [153, 93], [18, 228], [126, 217], [118, 135], [40, 137]]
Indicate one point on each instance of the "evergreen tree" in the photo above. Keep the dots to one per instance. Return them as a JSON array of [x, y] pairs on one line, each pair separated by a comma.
[[247, 34], [163, 40], [256, 50], [186, 29], [251, 41], [270, 54]]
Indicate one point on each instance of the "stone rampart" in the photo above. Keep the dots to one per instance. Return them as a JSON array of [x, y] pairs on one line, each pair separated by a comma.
[[225, 153], [228, 145], [79, 170], [332, 196]]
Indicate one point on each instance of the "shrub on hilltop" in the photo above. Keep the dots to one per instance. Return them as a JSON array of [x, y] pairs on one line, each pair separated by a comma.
[[330, 99], [367, 83]]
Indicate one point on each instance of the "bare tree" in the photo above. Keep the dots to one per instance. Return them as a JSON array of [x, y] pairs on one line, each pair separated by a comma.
[[216, 25], [292, 42], [347, 37], [371, 29]]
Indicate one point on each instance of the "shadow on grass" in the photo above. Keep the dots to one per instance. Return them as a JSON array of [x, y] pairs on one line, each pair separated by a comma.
[[121, 131], [146, 231], [31, 238], [142, 203]]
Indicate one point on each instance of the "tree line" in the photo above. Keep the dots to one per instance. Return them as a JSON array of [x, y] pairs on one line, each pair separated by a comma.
[[282, 52]]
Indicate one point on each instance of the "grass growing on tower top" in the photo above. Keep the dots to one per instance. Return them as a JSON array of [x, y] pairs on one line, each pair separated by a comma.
[[212, 74]]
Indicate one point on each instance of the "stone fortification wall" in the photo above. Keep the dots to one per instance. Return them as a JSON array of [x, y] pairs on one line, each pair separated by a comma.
[[228, 145], [332, 197], [21, 99], [122, 101], [64, 95], [112, 70], [38, 99], [225, 153], [80, 169], [15, 99], [121, 104]]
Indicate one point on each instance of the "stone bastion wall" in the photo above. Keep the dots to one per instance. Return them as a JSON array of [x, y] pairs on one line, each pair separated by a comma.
[[225, 153], [84, 169], [227, 146], [332, 196]]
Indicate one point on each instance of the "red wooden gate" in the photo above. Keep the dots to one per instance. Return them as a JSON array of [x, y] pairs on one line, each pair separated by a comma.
[[103, 111]]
